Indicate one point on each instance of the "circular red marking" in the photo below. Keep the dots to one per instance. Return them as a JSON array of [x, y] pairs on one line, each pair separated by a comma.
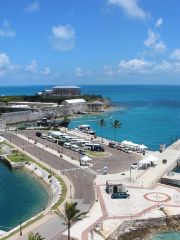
[[165, 200]]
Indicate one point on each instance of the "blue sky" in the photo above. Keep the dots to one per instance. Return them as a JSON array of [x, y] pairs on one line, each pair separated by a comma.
[[79, 42]]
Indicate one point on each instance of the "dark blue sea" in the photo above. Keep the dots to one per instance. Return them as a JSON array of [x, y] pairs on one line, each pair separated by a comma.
[[149, 114]]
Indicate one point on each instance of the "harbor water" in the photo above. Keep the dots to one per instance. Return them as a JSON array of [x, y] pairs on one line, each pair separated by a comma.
[[21, 197]]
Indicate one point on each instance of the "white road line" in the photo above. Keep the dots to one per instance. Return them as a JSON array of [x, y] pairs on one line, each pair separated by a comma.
[[84, 174], [75, 175]]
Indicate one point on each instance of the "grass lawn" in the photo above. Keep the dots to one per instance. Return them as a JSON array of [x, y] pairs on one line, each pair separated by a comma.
[[97, 154], [20, 157]]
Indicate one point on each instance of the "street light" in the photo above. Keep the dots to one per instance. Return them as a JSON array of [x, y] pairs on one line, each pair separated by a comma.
[[70, 192], [20, 229], [130, 174]]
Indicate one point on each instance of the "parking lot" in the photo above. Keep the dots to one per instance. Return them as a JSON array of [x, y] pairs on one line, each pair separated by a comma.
[[117, 161]]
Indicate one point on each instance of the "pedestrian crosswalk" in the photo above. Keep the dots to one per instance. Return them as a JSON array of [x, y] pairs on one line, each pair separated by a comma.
[[89, 170]]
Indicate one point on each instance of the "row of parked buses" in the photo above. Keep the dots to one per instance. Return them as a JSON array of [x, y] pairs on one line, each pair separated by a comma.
[[70, 142]]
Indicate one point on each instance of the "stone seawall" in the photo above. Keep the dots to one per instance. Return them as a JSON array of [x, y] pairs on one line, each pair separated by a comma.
[[54, 112], [139, 228]]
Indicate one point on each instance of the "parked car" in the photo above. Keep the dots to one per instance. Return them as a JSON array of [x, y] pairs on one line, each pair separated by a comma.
[[127, 150], [61, 143], [112, 145], [53, 140], [120, 195], [120, 148], [97, 148], [134, 165], [82, 151], [38, 134], [43, 136]]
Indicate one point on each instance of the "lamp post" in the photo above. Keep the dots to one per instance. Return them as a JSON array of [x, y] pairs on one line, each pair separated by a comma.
[[20, 230], [70, 192], [130, 174]]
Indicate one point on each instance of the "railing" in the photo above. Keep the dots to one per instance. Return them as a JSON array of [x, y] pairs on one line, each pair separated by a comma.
[[170, 167]]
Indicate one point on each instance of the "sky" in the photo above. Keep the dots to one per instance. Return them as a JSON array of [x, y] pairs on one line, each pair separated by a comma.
[[76, 42]]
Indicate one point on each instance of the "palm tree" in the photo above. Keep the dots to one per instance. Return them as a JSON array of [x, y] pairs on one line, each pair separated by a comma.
[[116, 125], [36, 236], [66, 120], [72, 215], [102, 123]]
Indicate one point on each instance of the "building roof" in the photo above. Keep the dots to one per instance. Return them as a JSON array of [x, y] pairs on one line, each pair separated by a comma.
[[66, 87], [113, 182], [75, 101], [47, 90]]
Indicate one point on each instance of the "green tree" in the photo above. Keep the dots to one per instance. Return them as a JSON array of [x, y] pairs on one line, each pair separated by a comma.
[[102, 124], [116, 125], [66, 120], [71, 215], [33, 236]]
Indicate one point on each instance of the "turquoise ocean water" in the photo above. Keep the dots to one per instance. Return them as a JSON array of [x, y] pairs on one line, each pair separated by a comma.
[[21, 197], [149, 114]]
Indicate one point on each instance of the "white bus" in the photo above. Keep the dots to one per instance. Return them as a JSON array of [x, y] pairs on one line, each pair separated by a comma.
[[82, 143], [89, 145], [74, 148], [76, 140]]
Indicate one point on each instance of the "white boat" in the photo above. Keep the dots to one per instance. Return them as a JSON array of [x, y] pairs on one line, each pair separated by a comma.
[[85, 128]]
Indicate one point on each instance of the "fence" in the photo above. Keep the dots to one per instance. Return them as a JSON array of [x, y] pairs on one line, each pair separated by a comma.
[[169, 168]]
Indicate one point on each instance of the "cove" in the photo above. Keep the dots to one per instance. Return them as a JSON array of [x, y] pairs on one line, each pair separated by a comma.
[[22, 196]]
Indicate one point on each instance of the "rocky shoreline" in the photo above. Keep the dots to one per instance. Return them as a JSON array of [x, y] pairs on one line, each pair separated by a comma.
[[143, 229]]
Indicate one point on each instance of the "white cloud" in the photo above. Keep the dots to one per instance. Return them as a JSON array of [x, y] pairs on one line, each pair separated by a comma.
[[154, 43], [32, 7], [62, 37], [131, 8], [175, 55], [159, 22], [108, 71], [79, 72], [164, 66], [5, 65], [47, 71], [135, 65], [6, 31], [89, 73], [32, 67]]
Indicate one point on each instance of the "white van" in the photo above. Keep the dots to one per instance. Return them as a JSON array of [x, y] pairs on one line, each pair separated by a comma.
[[67, 145], [74, 148], [89, 145]]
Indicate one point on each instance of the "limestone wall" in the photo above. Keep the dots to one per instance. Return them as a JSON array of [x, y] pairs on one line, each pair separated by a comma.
[[52, 112]]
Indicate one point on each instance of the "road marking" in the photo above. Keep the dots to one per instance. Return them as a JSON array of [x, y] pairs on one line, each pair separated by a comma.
[[75, 175], [84, 174]]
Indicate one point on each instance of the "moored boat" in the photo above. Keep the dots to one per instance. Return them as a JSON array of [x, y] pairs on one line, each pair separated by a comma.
[[85, 128]]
